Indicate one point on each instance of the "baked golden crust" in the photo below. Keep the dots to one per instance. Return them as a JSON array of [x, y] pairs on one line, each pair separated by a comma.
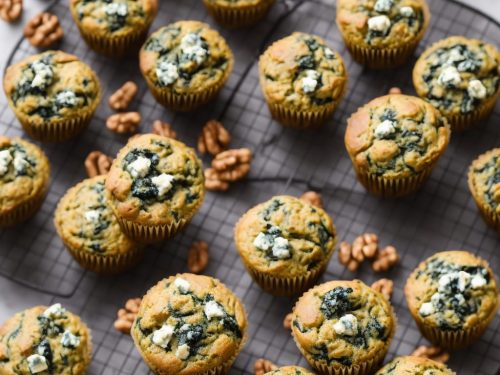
[[353, 19], [318, 313], [32, 332], [301, 72], [470, 59], [396, 136], [50, 87], [484, 180], [182, 303], [21, 181], [85, 222], [411, 365], [452, 291], [139, 199], [308, 231]]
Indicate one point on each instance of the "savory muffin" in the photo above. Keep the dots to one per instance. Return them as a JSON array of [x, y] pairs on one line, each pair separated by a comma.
[[91, 232], [290, 370], [461, 78], [238, 13], [189, 324], [114, 27], [303, 80], [343, 327], [44, 340], [52, 94], [382, 33], [453, 297], [24, 179], [185, 64], [285, 244], [394, 142], [411, 365], [154, 187], [484, 185]]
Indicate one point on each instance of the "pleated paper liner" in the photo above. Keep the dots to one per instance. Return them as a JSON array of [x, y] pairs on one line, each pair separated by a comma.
[[302, 119], [106, 264], [393, 187], [489, 215], [151, 233], [126, 45], [25, 210], [237, 17]]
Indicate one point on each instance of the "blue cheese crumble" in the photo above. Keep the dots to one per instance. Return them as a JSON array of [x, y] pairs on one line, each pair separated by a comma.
[[167, 72], [37, 363], [213, 310], [43, 75], [54, 311], [380, 24], [449, 77], [385, 129], [192, 46], [182, 284], [310, 81], [5, 160], [162, 336], [383, 6], [347, 325], [163, 183], [272, 240], [139, 167], [68, 340]]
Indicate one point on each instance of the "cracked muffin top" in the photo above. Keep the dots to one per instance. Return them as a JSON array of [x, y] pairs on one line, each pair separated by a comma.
[[484, 180], [285, 237], [155, 180], [186, 57], [114, 18], [452, 291], [456, 75], [411, 365], [51, 86], [342, 322], [302, 72], [382, 23], [24, 172], [44, 340], [396, 136], [189, 324], [84, 219]]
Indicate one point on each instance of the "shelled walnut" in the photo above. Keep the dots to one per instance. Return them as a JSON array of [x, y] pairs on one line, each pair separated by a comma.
[[10, 10], [164, 129], [364, 247], [386, 258], [263, 366], [126, 315], [313, 198], [228, 166], [121, 98], [214, 138], [198, 257], [43, 30], [432, 352], [122, 123], [97, 163], [385, 287]]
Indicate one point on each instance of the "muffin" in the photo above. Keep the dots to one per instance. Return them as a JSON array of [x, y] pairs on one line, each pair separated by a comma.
[[453, 297], [24, 179], [238, 13], [44, 340], [185, 64], [290, 370], [53, 95], [484, 185], [461, 78], [154, 187], [302, 79], [382, 34], [189, 324], [343, 327], [91, 232], [285, 244], [114, 27], [394, 142], [407, 365]]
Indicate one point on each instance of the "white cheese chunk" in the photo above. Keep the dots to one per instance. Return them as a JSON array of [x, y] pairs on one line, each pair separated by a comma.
[[347, 325], [163, 183], [68, 340], [167, 72], [310, 81], [463, 280], [43, 75], [383, 6], [426, 309], [379, 23], [37, 363], [182, 284], [54, 311], [329, 53], [92, 216], [66, 98], [20, 162], [476, 89], [385, 129], [139, 167], [5, 160], [192, 46], [115, 9], [455, 55], [262, 242], [182, 351], [406, 11], [478, 281], [162, 336], [213, 310], [449, 76], [281, 248]]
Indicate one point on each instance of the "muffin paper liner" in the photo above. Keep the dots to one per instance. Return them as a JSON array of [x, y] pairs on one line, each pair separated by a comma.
[[461, 122], [302, 119], [241, 17], [118, 46], [25, 210], [108, 264], [393, 187]]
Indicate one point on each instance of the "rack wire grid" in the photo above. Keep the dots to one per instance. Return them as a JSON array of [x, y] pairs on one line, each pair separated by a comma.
[[440, 216]]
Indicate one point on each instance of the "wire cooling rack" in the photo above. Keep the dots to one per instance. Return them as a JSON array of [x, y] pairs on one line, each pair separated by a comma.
[[441, 216]]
